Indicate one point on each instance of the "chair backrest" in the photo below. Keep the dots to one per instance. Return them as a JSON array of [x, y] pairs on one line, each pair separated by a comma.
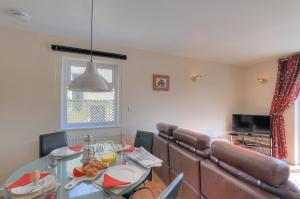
[[144, 139], [172, 190], [51, 141]]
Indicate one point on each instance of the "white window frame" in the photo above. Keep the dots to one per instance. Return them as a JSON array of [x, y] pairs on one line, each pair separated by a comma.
[[64, 88]]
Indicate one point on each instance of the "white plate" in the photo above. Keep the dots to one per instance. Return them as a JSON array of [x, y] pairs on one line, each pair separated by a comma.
[[63, 152], [30, 188], [125, 173]]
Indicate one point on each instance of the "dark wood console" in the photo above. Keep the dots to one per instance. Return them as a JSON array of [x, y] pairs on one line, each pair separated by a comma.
[[259, 142]]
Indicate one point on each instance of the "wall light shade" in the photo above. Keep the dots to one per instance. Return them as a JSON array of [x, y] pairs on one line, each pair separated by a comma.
[[195, 77], [19, 14], [262, 80], [90, 81]]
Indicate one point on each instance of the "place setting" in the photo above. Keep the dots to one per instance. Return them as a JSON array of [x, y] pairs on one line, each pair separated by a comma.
[[42, 183], [34, 184], [68, 151]]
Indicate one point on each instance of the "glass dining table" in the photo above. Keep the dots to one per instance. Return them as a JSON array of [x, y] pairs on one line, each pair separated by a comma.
[[63, 171]]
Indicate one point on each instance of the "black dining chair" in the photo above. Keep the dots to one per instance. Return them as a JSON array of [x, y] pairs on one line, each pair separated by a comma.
[[172, 190], [143, 139], [51, 141]]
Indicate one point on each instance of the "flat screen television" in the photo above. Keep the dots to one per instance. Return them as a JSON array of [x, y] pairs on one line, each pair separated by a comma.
[[251, 124]]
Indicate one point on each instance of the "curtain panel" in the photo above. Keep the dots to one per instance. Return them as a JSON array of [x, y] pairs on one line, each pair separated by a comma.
[[286, 92]]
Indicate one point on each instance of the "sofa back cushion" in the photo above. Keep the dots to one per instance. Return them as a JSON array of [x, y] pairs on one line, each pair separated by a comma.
[[195, 140], [263, 167], [161, 148], [166, 130], [187, 162], [218, 184], [284, 191]]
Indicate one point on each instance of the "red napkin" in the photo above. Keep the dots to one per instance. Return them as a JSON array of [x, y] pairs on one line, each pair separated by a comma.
[[24, 180], [109, 181], [129, 149], [75, 148]]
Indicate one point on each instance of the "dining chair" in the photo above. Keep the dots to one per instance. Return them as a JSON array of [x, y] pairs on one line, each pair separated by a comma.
[[172, 190], [143, 139], [51, 141]]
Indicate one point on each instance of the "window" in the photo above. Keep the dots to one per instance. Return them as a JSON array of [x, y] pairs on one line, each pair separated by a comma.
[[89, 109]]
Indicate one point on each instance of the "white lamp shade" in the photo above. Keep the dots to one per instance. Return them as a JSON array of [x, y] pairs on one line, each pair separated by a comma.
[[90, 81]]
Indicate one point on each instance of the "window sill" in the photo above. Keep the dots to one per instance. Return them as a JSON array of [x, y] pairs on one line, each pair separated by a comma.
[[91, 127]]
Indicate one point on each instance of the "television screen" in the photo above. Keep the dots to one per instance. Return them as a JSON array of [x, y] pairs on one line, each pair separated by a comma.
[[251, 123]]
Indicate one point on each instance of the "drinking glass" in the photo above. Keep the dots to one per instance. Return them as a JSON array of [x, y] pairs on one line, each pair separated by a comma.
[[52, 161], [109, 146], [108, 155], [99, 147], [52, 169], [37, 182]]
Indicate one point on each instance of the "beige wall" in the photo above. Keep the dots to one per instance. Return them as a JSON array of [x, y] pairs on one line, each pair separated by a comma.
[[30, 85], [256, 98]]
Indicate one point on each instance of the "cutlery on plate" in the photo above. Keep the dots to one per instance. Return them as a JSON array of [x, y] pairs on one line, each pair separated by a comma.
[[100, 187]]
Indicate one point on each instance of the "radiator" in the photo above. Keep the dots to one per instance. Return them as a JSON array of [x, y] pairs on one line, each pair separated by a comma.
[[78, 139]]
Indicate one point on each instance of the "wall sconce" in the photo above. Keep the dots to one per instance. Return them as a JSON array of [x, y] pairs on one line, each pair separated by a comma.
[[195, 77], [262, 80]]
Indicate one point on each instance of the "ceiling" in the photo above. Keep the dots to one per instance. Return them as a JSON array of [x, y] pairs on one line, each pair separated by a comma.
[[226, 31]]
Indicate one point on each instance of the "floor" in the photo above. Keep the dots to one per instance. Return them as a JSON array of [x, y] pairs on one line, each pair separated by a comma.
[[295, 174]]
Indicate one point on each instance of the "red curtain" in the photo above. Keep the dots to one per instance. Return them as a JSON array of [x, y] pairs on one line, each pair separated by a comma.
[[286, 92]]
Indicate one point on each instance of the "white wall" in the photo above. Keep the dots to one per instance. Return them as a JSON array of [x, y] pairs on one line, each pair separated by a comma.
[[256, 98], [30, 80]]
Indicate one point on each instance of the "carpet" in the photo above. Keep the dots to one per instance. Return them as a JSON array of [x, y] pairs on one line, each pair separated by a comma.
[[295, 178]]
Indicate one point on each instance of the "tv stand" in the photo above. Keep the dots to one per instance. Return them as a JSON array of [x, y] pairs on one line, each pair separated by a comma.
[[254, 141]]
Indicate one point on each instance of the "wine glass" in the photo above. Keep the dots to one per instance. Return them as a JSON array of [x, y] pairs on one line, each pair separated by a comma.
[[35, 178]]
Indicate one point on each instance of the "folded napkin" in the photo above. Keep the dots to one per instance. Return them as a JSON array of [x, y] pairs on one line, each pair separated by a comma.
[[129, 149], [48, 189], [109, 181], [24, 180], [76, 148]]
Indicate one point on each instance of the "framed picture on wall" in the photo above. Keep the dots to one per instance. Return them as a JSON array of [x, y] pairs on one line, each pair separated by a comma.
[[161, 83]]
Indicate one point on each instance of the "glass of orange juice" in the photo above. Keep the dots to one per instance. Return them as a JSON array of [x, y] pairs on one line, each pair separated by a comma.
[[108, 155]]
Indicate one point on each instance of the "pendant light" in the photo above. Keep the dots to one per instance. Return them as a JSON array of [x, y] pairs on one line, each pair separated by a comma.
[[90, 80]]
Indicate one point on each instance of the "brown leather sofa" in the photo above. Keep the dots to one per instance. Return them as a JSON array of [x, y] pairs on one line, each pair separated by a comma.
[[161, 149], [219, 170]]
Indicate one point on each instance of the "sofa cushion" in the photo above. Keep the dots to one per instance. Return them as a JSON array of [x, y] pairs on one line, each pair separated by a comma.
[[203, 153], [285, 191], [194, 139], [218, 184], [184, 161], [161, 149], [263, 167], [166, 129], [165, 136]]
